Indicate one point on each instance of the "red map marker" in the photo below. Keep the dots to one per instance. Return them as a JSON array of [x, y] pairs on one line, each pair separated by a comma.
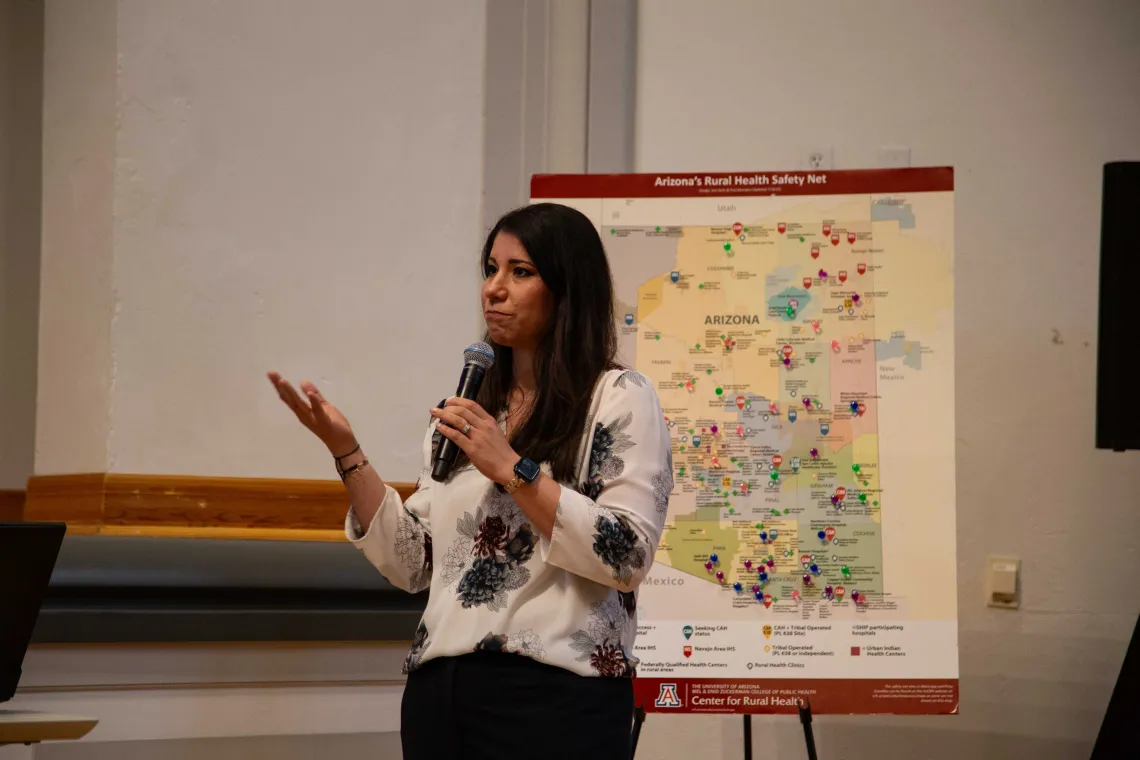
[[807, 283], [861, 268], [841, 492], [815, 251], [839, 592], [827, 229], [737, 228], [781, 227], [829, 532], [850, 237], [862, 408], [777, 460], [805, 559], [835, 239], [767, 600], [843, 275], [740, 402], [786, 351]]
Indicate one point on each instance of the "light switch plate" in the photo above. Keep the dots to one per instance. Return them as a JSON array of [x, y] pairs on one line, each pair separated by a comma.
[[1003, 582]]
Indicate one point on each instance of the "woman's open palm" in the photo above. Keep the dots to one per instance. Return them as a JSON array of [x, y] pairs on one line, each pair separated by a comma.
[[318, 415]]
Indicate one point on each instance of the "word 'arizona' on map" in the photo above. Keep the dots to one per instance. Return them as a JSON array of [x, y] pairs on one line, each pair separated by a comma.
[[798, 328]]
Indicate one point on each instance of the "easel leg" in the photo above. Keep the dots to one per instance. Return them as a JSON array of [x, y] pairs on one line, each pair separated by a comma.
[[747, 737], [638, 720], [805, 719]]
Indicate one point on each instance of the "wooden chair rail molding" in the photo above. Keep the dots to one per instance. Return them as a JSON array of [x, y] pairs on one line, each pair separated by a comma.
[[182, 506]]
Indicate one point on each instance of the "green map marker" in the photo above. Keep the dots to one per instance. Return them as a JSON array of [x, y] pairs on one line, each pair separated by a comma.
[[613, 231], [811, 360], [728, 246], [658, 229], [791, 312], [708, 371], [701, 286], [775, 476], [846, 571], [801, 240], [658, 337], [863, 498], [865, 484], [785, 511], [855, 467], [874, 504], [719, 391], [732, 511]]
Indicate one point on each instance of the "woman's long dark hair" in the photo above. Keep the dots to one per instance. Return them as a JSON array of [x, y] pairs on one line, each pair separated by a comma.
[[580, 341]]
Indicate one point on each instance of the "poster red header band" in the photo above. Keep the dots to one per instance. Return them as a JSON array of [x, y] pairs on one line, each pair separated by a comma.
[[700, 184]]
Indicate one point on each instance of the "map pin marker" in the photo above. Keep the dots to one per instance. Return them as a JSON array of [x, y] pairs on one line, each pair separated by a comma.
[[846, 571], [835, 346], [747, 564], [763, 537], [740, 402], [772, 409], [828, 591], [829, 533], [862, 408], [720, 575], [737, 228], [827, 229], [855, 298], [767, 600], [834, 500], [807, 283], [807, 579], [786, 351], [855, 407], [787, 362], [841, 492], [814, 569], [863, 498], [709, 566], [763, 577], [755, 589], [740, 430], [839, 592], [770, 564], [814, 453], [855, 468], [807, 402], [855, 596], [737, 587], [714, 559], [821, 535], [795, 595], [772, 534], [815, 251], [850, 237], [835, 239]]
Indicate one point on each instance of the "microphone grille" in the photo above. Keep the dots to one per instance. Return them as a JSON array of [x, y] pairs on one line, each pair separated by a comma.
[[479, 353]]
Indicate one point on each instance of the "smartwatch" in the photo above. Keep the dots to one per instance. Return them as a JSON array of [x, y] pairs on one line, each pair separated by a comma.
[[525, 472]]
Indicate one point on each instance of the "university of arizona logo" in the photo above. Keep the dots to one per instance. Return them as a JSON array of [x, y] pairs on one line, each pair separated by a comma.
[[629, 319], [667, 696]]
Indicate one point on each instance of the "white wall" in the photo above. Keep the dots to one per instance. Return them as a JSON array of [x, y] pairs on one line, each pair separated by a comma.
[[296, 186], [1026, 99], [21, 83]]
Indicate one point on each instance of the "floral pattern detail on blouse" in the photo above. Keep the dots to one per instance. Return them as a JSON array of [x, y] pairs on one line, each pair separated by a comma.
[[634, 377], [662, 487], [489, 553], [412, 546], [416, 653], [618, 546], [605, 463], [526, 643], [601, 644]]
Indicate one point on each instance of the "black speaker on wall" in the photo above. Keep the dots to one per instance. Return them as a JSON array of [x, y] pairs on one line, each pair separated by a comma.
[[1117, 411]]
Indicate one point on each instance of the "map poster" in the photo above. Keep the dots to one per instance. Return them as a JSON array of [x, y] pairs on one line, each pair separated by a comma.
[[799, 330]]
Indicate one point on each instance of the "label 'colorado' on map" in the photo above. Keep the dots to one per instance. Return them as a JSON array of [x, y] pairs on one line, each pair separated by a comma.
[[798, 328]]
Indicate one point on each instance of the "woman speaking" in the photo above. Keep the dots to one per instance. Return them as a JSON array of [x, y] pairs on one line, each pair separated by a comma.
[[534, 545]]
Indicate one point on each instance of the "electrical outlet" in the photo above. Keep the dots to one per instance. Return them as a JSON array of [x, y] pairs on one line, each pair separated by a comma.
[[815, 158]]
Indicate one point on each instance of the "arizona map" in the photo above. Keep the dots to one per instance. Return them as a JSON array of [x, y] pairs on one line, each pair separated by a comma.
[[798, 328]]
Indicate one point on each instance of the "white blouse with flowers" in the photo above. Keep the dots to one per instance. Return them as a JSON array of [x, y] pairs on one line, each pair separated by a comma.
[[497, 584]]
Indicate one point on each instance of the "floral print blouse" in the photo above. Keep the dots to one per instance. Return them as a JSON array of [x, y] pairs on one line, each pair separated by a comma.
[[497, 584]]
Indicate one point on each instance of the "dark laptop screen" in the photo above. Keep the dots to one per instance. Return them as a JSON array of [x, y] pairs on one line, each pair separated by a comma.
[[27, 556]]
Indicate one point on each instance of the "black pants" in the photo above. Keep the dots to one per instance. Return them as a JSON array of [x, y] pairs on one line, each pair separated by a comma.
[[487, 705]]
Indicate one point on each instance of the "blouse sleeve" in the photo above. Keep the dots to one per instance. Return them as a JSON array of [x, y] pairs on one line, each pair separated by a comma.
[[607, 530], [398, 541]]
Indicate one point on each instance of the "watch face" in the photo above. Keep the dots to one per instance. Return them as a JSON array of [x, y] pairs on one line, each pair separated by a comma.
[[526, 469]]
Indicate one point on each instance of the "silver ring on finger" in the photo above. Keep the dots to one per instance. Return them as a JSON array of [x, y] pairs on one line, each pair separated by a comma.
[[467, 428]]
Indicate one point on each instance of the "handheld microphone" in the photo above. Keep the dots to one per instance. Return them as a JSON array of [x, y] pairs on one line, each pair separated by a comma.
[[477, 359]]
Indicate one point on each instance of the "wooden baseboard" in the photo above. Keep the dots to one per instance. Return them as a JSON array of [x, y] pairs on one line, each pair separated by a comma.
[[11, 505], [192, 506]]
